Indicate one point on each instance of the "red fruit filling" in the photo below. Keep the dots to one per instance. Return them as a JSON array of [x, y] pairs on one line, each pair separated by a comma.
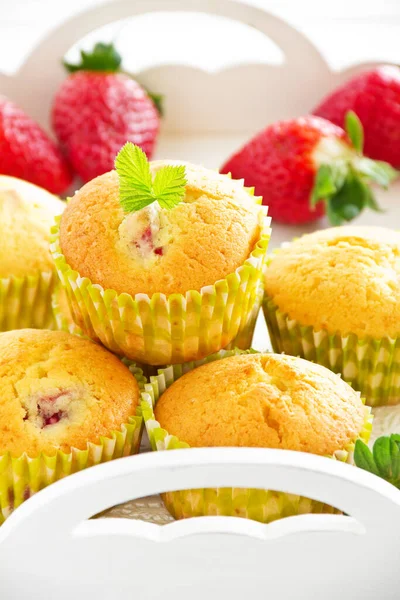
[[49, 409], [145, 243]]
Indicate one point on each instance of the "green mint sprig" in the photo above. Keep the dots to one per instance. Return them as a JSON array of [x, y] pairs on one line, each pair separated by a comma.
[[383, 461], [138, 189], [344, 184]]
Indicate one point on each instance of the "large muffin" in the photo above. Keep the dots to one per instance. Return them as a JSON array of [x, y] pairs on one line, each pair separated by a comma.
[[333, 297], [26, 215], [202, 240], [343, 279], [264, 400], [59, 391]]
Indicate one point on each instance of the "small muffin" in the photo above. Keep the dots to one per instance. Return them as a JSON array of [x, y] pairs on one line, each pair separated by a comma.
[[257, 400], [203, 239], [164, 286], [333, 297], [59, 391], [26, 266]]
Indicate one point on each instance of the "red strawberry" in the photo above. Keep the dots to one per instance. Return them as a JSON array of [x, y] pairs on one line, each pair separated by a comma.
[[98, 108], [375, 98], [28, 153], [297, 164]]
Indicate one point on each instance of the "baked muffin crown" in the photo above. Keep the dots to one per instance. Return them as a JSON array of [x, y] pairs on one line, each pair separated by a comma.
[[344, 279], [201, 240], [26, 216], [59, 391], [265, 400]]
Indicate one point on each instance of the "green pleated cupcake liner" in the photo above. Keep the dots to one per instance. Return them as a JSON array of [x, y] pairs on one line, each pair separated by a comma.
[[23, 476], [260, 505], [162, 329], [61, 312], [25, 302], [371, 366]]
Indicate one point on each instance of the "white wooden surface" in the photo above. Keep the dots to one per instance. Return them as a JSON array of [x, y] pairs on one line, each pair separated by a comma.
[[49, 550]]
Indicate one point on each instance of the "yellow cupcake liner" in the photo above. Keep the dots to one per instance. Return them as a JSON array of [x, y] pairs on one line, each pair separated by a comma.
[[161, 329], [23, 476], [371, 366], [260, 505], [26, 301]]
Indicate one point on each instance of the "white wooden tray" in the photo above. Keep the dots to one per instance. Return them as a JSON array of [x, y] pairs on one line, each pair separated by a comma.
[[48, 549]]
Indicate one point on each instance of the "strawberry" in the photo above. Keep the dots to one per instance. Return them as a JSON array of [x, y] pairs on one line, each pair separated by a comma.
[[98, 108], [308, 166], [28, 153], [375, 97]]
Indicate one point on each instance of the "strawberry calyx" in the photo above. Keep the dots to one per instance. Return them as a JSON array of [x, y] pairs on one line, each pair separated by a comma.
[[344, 184], [105, 58]]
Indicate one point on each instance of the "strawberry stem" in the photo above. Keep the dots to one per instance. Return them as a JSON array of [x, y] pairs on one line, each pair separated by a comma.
[[103, 57]]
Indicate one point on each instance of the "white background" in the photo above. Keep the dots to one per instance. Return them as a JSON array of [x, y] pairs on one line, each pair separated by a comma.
[[346, 32]]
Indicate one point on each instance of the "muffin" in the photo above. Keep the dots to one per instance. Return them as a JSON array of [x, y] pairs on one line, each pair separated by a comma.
[[161, 286], [333, 297], [254, 400], [65, 404], [27, 273]]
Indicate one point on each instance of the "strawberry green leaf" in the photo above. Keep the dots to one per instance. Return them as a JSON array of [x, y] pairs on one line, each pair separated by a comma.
[[382, 457], [169, 185], [354, 130], [377, 171], [324, 185], [103, 57], [363, 458], [136, 187], [383, 461], [158, 100]]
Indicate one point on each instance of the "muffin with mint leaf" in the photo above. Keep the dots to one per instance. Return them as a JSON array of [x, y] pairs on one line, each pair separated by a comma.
[[27, 272], [163, 262]]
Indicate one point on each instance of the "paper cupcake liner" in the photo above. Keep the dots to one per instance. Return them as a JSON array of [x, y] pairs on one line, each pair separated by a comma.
[[260, 505], [62, 313], [26, 301], [371, 366], [161, 329], [23, 476]]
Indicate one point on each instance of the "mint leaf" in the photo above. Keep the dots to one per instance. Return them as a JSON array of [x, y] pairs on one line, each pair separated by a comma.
[[136, 187], [382, 456], [354, 130], [169, 185]]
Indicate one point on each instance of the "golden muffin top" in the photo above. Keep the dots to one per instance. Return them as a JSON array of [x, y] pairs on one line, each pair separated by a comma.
[[265, 400], [59, 391], [26, 215], [201, 240], [344, 279]]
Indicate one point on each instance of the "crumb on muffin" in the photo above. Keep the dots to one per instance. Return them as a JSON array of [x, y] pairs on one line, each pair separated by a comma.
[[343, 279], [263, 400], [200, 241], [59, 391]]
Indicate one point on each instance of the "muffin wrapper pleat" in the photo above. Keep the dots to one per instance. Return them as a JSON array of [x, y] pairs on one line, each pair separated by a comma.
[[260, 505], [371, 366], [23, 476], [161, 329], [26, 301]]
